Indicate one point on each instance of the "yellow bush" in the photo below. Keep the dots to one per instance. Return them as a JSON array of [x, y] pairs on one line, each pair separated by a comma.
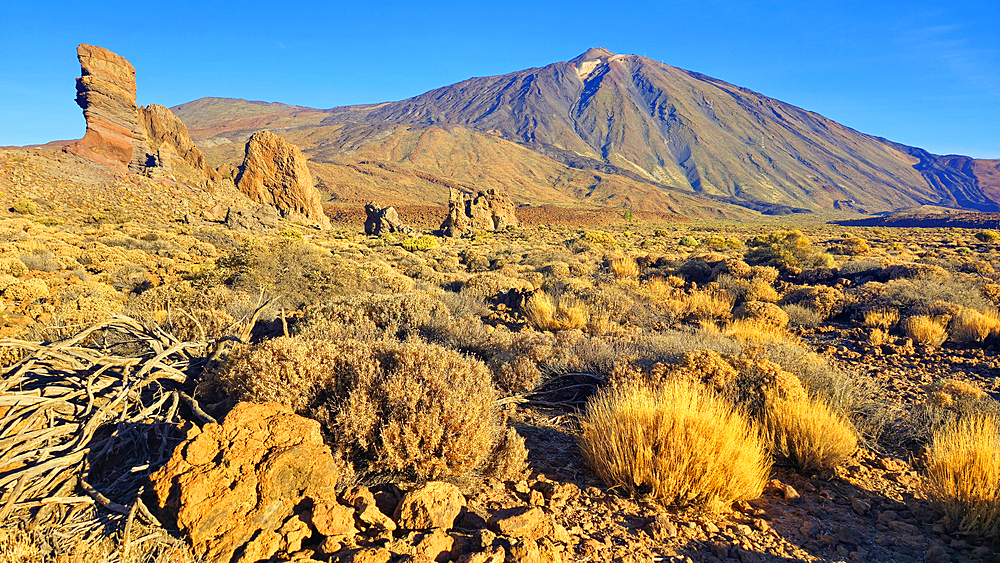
[[420, 243], [963, 474], [971, 326], [564, 313], [925, 330], [808, 434], [680, 444]]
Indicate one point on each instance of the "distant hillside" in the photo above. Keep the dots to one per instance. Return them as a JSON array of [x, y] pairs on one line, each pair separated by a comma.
[[604, 129]]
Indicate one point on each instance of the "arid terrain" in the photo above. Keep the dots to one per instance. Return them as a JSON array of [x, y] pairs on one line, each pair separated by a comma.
[[209, 359]]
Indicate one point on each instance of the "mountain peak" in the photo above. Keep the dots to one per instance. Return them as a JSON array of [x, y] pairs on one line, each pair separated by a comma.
[[592, 54]]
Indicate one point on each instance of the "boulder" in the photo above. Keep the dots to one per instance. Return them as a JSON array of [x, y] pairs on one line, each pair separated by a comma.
[[243, 489], [380, 220], [486, 211], [432, 505], [106, 93], [274, 172]]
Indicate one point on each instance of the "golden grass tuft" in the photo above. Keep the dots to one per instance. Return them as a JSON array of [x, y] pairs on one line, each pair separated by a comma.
[[625, 267], [757, 331], [700, 305], [925, 330], [680, 444], [878, 336], [17, 546], [972, 326], [808, 434], [545, 313], [963, 474], [881, 318]]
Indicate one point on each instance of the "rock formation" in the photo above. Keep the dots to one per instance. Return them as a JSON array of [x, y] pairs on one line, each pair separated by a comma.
[[383, 220], [486, 211], [274, 172], [106, 92], [252, 486], [171, 149]]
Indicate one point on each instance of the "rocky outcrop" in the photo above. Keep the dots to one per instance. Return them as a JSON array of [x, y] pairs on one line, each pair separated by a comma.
[[486, 211], [274, 172], [256, 485], [106, 92], [380, 220], [171, 150]]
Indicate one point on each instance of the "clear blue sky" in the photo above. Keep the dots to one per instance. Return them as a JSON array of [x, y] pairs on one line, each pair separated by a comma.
[[917, 72]]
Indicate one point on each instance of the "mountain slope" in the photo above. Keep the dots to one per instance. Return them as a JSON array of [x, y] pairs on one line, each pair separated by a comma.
[[651, 123]]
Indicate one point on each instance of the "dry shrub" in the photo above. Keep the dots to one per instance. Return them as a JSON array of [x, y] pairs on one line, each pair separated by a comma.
[[700, 306], [26, 291], [801, 316], [625, 267], [410, 410], [759, 378], [850, 246], [753, 289], [680, 444], [990, 291], [963, 474], [763, 312], [971, 326], [562, 313], [825, 301], [881, 318], [808, 434], [489, 284], [925, 330], [372, 316]]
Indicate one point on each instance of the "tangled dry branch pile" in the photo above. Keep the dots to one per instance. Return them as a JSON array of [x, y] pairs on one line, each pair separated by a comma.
[[98, 410]]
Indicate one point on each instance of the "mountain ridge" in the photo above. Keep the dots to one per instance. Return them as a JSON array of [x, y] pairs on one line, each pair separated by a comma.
[[651, 123]]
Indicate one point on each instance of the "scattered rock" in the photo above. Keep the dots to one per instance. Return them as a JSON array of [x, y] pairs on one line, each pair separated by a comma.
[[363, 501], [432, 505], [384, 220], [367, 555], [236, 485], [522, 522], [242, 219], [333, 519], [937, 554], [661, 528], [486, 211], [492, 555], [274, 172]]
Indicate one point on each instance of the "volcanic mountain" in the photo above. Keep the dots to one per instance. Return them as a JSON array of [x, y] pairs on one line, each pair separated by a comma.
[[602, 129]]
